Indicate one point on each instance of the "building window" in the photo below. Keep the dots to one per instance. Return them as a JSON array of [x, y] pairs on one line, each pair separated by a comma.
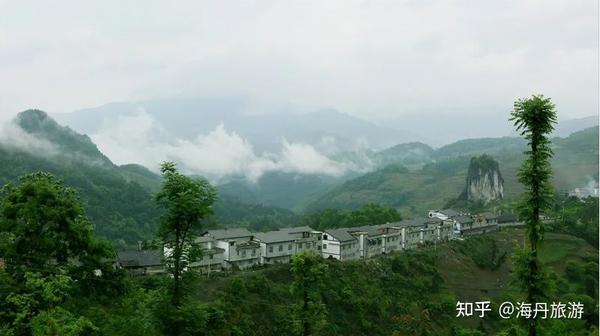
[[289, 247], [325, 237], [300, 246], [280, 248], [270, 249], [244, 253], [324, 246], [253, 252], [231, 243]]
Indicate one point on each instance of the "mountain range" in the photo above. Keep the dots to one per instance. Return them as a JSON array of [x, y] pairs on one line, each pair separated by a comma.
[[187, 118], [412, 177]]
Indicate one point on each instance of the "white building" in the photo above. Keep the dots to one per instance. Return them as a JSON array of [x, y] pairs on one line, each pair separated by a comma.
[[212, 258], [276, 246], [305, 238], [339, 244], [239, 248]]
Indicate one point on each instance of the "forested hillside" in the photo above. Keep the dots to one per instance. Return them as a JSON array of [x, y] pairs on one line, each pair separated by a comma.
[[575, 164], [118, 199]]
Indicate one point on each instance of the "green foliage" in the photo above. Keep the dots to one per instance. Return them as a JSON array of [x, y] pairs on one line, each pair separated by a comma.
[[51, 255], [187, 202], [34, 307], [107, 197], [483, 250], [370, 214], [60, 322], [575, 216], [482, 163], [42, 222], [534, 118], [43, 226], [310, 315]]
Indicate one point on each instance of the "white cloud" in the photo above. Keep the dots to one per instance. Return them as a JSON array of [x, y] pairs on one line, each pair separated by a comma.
[[139, 139], [13, 136], [305, 159]]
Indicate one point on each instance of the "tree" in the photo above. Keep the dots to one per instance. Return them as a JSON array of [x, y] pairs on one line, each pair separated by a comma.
[[534, 118], [42, 224], [50, 252], [309, 269], [187, 202]]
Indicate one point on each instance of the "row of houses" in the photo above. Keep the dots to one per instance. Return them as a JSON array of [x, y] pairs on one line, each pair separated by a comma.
[[238, 248]]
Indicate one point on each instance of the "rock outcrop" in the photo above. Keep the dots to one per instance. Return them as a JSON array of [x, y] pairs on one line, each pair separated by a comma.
[[484, 180]]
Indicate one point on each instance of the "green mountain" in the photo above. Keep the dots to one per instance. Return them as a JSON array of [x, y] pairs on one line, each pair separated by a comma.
[[279, 189], [120, 207], [412, 154], [118, 199], [414, 191]]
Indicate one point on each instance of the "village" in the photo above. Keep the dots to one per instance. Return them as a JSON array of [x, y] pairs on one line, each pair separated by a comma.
[[239, 249]]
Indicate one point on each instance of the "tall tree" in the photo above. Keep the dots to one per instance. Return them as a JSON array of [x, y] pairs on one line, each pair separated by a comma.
[[187, 202], [534, 117], [48, 246], [309, 269]]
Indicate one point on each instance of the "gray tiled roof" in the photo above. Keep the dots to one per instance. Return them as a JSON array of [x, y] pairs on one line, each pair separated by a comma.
[[140, 258], [204, 239], [297, 229], [274, 236], [341, 234], [507, 218], [229, 233], [489, 215], [450, 212], [464, 219], [417, 222]]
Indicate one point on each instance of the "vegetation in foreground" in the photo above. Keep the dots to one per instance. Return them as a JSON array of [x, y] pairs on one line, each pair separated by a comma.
[[410, 293]]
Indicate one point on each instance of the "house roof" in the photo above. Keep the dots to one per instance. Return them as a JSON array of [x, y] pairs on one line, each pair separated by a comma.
[[450, 212], [464, 219], [341, 234], [489, 215], [507, 217], [204, 239], [229, 233], [297, 229], [141, 258], [421, 221], [274, 236]]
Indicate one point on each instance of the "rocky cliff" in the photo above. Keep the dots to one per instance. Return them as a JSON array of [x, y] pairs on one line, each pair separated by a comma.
[[484, 180]]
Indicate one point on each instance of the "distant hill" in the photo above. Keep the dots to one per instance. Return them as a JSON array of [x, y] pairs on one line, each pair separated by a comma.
[[570, 126], [414, 191], [187, 118], [412, 154], [284, 190]]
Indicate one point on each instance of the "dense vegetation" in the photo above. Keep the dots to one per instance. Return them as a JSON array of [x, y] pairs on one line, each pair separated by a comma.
[[575, 216], [371, 214], [397, 294]]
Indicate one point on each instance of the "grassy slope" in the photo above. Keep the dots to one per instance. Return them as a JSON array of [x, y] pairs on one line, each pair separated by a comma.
[[469, 281]]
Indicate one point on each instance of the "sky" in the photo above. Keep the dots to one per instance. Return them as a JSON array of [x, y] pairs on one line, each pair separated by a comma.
[[378, 60]]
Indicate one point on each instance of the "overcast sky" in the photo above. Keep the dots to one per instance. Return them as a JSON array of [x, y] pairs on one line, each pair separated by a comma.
[[374, 59]]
